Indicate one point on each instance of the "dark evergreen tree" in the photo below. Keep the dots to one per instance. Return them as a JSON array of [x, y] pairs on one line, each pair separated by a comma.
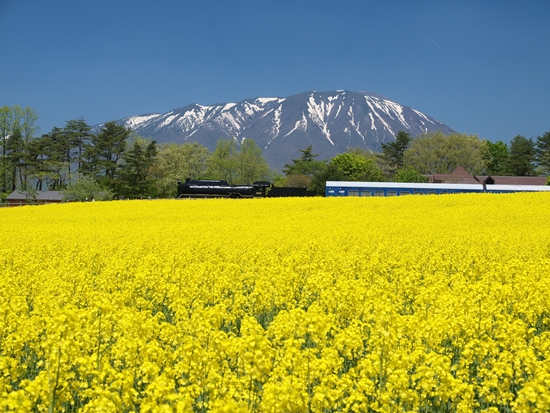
[[305, 165], [522, 157], [135, 176], [57, 162], [301, 171], [5, 131], [329, 172], [543, 153], [393, 152], [15, 158], [77, 133], [103, 155], [37, 159]]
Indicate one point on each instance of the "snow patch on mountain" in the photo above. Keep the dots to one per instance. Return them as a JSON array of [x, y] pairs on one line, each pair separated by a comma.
[[374, 105], [135, 121], [192, 118], [276, 127], [319, 113], [301, 125], [372, 125], [264, 101], [356, 124], [168, 120]]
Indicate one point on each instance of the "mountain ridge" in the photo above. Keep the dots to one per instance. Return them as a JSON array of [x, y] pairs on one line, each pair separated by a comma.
[[330, 121]]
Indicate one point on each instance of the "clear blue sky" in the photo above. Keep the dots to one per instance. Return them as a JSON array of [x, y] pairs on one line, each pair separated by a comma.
[[480, 66]]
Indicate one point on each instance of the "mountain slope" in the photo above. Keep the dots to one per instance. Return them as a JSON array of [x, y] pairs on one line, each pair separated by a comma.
[[330, 121]]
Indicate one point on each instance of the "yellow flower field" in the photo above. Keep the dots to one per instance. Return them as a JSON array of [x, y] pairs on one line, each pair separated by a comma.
[[405, 304]]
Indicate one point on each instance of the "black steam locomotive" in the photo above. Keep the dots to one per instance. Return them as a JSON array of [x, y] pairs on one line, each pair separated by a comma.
[[221, 189]]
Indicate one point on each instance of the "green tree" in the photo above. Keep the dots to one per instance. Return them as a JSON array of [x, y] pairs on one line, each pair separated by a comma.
[[27, 126], [85, 188], [543, 153], [409, 174], [436, 153], [176, 163], [244, 164], [393, 152], [223, 162], [196, 160], [17, 129], [357, 168], [251, 164], [5, 131], [353, 165], [495, 157], [293, 181], [522, 157]]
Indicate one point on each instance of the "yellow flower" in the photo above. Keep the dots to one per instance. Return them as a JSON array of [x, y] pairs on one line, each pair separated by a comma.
[[319, 304]]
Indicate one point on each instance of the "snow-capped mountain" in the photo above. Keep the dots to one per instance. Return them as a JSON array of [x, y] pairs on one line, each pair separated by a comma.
[[330, 121]]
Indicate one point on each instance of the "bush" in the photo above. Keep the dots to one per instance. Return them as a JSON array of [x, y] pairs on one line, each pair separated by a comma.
[[86, 189], [409, 174]]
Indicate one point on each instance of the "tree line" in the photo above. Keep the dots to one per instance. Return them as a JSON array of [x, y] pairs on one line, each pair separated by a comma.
[[116, 162], [113, 163], [409, 159]]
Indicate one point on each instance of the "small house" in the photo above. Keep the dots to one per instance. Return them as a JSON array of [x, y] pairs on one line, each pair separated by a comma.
[[19, 198], [461, 176]]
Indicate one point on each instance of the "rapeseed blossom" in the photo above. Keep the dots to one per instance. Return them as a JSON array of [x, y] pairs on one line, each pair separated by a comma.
[[406, 304]]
